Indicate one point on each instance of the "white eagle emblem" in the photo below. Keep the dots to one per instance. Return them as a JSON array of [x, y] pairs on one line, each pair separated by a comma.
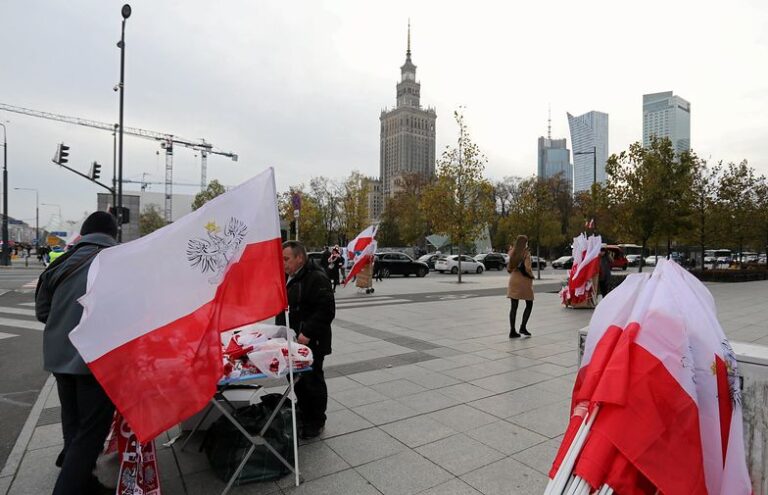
[[215, 253]]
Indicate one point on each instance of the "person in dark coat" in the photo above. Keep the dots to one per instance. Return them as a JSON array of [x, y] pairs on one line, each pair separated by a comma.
[[335, 266], [86, 410], [311, 309], [605, 271]]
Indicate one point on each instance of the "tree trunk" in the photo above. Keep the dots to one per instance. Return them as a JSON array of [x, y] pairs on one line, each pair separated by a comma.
[[642, 257], [538, 263], [669, 247], [460, 262]]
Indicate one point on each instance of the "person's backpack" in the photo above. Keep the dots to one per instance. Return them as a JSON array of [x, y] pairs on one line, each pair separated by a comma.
[[225, 445]]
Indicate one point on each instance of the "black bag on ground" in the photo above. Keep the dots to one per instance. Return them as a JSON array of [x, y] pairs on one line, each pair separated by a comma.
[[225, 445]]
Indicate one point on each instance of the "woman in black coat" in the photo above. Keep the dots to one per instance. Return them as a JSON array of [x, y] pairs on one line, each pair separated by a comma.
[[335, 265]]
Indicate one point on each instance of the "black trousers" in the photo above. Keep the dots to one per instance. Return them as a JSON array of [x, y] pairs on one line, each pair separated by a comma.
[[513, 313], [312, 394], [86, 415]]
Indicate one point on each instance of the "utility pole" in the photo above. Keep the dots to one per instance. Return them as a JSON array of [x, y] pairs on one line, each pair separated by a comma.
[[126, 13], [5, 252]]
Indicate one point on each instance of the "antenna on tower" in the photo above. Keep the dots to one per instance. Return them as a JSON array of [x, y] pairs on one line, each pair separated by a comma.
[[408, 52], [549, 123]]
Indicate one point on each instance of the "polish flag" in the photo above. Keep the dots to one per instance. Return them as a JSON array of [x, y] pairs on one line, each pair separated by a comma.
[[658, 364], [361, 250], [154, 307], [586, 264]]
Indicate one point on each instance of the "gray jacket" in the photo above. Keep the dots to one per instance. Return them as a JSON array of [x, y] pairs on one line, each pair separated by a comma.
[[56, 304]]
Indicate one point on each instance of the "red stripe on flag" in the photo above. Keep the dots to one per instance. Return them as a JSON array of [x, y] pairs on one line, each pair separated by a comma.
[[170, 373], [724, 403]]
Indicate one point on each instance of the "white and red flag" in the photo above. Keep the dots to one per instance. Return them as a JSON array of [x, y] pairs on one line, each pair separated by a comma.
[[154, 307], [361, 250], [586, 264], [660, 378]]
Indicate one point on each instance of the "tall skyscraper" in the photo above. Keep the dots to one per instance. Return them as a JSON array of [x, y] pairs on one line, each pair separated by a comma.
[[407, 132], [554, 158], [589, 138], [667, 115]]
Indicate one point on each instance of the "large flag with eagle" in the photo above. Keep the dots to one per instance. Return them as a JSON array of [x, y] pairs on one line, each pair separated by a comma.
[[361, 250], [154, 307], [656, 407]]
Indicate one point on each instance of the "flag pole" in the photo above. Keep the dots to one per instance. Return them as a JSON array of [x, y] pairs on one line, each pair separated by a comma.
[[558, 483], [290, 334]]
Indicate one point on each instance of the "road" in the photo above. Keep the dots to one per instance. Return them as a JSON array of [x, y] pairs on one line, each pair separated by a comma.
[[21, 353]]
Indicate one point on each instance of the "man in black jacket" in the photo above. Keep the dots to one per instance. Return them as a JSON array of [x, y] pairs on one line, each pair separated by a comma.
[[311, 309], [86, 411]]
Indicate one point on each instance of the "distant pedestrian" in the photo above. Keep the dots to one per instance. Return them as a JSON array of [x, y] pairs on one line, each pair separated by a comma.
[[335, 265], [86, 410], [606, 263], [520, 285]]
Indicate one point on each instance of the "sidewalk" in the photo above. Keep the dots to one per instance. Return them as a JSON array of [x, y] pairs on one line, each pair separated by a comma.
[[425, 397]]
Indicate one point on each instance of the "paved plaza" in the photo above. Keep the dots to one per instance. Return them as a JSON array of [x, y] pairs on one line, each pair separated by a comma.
[[427, 395]]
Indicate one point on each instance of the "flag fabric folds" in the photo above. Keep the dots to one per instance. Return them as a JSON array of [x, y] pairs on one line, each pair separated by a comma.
[[586, 266], [661, 370], [154, 307], [361, 250]]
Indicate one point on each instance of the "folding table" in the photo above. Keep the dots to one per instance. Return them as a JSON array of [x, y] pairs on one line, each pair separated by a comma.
[[227, 409]]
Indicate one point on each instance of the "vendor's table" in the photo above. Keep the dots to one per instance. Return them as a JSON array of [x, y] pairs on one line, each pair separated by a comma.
[[227, 409]]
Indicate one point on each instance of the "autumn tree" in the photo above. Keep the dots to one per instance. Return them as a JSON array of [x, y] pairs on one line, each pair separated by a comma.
[[703, 195], [150, 219], [311, 230], [736, 203], [353, 215], [213, 189], [761, 213], [639, 188], [459, 202]]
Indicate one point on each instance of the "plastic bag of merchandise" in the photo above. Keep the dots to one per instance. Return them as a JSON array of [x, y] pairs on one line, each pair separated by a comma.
[[271, 357]]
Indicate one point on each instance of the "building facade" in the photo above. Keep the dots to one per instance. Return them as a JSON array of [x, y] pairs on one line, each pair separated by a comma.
[[374, 197], [554, 158], [589, 138], [407, 137], [667, 115]]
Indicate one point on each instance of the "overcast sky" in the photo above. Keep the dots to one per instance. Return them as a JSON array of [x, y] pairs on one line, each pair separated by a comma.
[[300, 85]]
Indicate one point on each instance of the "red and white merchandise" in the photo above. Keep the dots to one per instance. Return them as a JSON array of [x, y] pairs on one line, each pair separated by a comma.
[[656, 407], [154, 308], [263, 349], [361, 250], [581, 290], [138, 473]]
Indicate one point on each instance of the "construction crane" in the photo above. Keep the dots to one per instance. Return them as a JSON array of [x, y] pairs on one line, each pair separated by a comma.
[[167, 142]]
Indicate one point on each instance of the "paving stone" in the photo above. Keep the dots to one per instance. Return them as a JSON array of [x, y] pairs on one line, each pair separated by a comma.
[[453, 487], [398, 388], [373, 377], [358, 397], [365, 446], [428, 401], [462, 418], [342, 422], [418, 430], [506, 476], [316, 460], [206, 483], [551, 420], [37, 472], [506, 437], [465, 392], [459, 454], [46, 436], [501, 383], [403, 474], [438, 364], [541, 456], [340, 383], [515, 402], [433, 380], [387, 411], [347, 482]]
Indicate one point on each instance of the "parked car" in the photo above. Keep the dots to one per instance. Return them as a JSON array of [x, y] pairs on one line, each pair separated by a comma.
[[492, 260], [451, 264], [430, 259], [633, 259], [563, 262], [400, 264], [619, 260], [535, 262], [651, 260]]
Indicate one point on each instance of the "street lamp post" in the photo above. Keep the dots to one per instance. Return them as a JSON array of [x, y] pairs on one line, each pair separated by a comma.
[[126, 13], [37, 214], [4, 259]]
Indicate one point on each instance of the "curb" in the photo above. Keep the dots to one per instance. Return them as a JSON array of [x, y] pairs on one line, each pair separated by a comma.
[[17, 453]]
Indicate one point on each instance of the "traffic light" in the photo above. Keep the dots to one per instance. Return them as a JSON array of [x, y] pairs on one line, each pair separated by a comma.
[[126, 217], [95, 170], [62, 154]]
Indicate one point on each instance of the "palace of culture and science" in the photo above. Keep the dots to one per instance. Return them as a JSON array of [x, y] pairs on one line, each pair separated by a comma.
[[407, 143]]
